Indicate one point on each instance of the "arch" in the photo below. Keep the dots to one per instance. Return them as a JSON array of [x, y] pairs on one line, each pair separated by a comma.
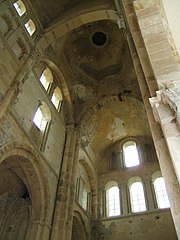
[[78, 228], [155, 175], [6, 24], [67, 102], [91, 118], [25, 161], [78, 19], [110, 184]]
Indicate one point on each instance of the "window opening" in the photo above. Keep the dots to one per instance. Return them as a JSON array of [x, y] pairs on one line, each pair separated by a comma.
[[38, 118], [113, 202], [46, 78], [20, 7], [57, 97], [30, 27], [131, 157], [161, 193], [84, 199], [137, 197]]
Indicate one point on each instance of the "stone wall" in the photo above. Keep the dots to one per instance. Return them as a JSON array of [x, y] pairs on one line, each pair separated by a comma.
[[151, 226]]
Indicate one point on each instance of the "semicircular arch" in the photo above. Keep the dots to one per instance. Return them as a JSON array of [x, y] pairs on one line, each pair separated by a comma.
[[68, 24], [26, 163], [68, 107]]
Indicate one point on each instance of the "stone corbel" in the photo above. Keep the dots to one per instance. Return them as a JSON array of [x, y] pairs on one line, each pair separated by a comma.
[[171, 96], [155, 101], [120, 21]]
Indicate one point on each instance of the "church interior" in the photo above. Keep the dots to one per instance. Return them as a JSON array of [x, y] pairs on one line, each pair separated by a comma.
[[89, 120]]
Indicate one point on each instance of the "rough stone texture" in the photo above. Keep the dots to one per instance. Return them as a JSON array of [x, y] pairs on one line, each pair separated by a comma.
[[137, 227]]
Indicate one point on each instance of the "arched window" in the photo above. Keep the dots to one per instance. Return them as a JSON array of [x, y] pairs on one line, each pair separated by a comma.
[[112, 200], [57, 98], [42, 117], [20, 7], [46, 78], [30, 27], [137, 197], [161, 194], [130, 154]]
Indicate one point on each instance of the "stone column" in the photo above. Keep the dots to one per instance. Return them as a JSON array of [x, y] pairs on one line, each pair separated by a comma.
[[72, 178], [8, 99], [124, 199], [149, 195], [101, 192], [38, 230], [62, 197], [168, 121], [141, 50], [162, 151]]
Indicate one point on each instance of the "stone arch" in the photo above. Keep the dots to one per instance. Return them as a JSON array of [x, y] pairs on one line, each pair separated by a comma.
[[78, 228], [24, 162], [78, 19], [68, 106], [90, 119]]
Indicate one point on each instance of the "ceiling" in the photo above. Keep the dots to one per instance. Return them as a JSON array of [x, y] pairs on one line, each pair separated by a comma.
[[49, 11], [98, 69]]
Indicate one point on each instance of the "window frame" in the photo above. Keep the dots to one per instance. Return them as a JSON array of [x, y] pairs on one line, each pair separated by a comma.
[[140, 199], [30, 27], [19, 4], [137, 152], [116, 206], [163, 193]]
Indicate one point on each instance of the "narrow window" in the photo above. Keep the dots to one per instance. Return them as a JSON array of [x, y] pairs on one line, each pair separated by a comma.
[[38, 118], [137, 197], [46, 78], [20, 7], [130, 153], [84, 199], [161, 194], [30, 27], [42, 117], [113, 202], [57, 98]]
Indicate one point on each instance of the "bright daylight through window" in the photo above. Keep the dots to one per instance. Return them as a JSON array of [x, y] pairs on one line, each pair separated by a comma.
[[131, 157]]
